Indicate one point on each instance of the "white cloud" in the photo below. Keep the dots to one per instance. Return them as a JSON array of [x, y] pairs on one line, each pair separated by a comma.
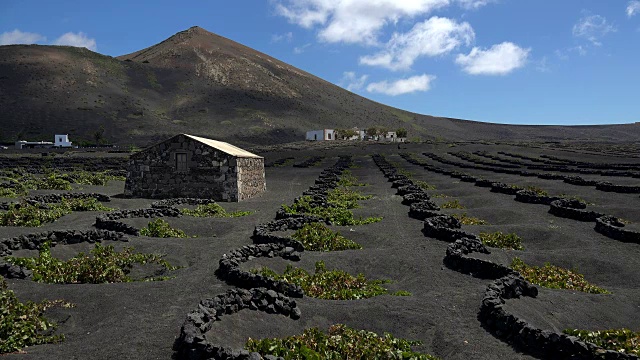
[[18, 37], [433, 37], [402, 86], [579, 49], [473, 4], [300, 49], [633, 8], [352, 82], [593, 28], [565, 53], [543, 65], [288, 37], [79, 40], [562, 55], [500, 59], [353, 21]]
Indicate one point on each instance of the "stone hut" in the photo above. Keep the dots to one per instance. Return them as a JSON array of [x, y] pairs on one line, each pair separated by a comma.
[[192, 166]]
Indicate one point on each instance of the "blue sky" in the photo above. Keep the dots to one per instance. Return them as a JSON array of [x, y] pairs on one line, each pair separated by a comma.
[[507, 61]]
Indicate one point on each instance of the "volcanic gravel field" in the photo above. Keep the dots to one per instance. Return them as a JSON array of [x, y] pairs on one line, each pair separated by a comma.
[[143, 320]]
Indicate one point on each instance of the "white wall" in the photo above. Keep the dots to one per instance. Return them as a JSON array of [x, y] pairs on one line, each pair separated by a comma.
[[319, 135], [315, 135], [62, 141]]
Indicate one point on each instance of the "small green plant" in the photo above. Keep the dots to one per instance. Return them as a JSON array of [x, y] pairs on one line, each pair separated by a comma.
[[405, 172], [88, 204], [555, 277], [212, 210], [440, 196], [9, 193], [346, 198], [318, 237], [620, 340], [401, 293], [575, 197], [24, 324], [468, 220], [30, 215], [161, 229], [340, 342], [329, 284], [425, 185], [104, 265], [338, 214], [52, 181], [33, 215], [341, 200], [453, 204], [348, 179], [501, 240], [538, 191]]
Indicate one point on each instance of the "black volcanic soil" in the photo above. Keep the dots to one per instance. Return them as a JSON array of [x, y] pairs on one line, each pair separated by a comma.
[[141, 320]]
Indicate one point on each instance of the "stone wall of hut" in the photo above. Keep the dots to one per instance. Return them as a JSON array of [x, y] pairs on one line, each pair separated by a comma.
[[211, 173], [251, 179]]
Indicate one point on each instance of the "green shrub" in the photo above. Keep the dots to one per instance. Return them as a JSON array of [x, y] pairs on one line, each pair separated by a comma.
[[52, 181], [88, 204], [8, 192], [425, 185], [467, 220], [161, 229], [341, 342], [401, 293], [501, 240], [339, 214], [555, 277], [348, 179], [23, 324], [346, 198], [19, 188], [575, 197], [538, 191], [212, 210], [318, 237], [33, 215], [30, 215], [454, 204], [404, 172], [621, 340], [330, 285], [105, 265]]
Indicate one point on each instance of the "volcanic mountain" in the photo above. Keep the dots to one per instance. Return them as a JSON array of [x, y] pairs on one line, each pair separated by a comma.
[[200, 83]]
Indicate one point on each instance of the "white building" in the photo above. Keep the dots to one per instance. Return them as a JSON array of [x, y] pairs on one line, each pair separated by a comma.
[[319, 135], [62, 141], [22, 144]]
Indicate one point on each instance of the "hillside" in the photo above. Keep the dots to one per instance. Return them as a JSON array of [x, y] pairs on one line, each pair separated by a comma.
[[201, 83]]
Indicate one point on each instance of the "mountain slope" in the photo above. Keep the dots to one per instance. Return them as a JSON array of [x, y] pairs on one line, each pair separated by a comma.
[[201, 83]]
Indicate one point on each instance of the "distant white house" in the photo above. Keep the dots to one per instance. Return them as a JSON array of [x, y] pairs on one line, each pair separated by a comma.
[[319, 135], [62, 141], [391, 136], [330, 134], [23, 144]]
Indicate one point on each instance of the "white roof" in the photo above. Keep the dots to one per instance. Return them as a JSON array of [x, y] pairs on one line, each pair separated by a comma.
[[223, 146]]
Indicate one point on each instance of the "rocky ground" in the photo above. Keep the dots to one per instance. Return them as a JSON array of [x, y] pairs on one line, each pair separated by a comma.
[[142, 320]]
